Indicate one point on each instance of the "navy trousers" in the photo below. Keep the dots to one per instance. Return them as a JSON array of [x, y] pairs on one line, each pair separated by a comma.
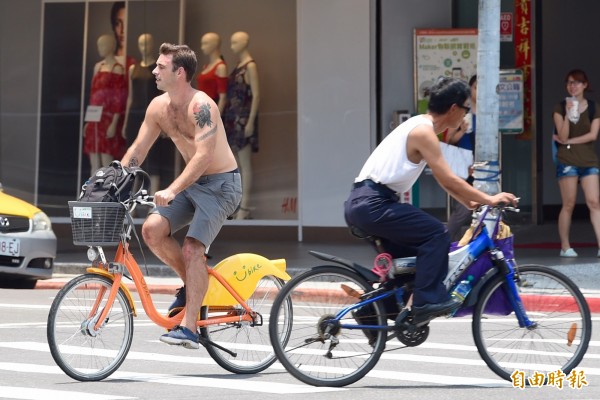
[[405, 231]]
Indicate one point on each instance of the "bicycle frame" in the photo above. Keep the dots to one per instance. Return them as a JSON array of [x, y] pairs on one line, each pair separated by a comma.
[[481, 243], [223, 294]]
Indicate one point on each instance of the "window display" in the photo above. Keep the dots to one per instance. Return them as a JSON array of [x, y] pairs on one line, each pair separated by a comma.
[[119, 86], [240, 115]]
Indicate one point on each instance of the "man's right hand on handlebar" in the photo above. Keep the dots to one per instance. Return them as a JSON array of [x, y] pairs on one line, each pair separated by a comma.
[[504, 198], [164, 197]]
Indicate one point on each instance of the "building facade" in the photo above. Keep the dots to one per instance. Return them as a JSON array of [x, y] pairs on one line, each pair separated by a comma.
[[332, 75]]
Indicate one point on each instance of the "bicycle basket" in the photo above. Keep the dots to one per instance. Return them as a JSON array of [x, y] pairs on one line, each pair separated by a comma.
[[96, 224]]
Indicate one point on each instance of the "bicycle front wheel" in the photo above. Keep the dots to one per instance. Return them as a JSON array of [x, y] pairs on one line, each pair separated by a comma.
[[82, 352], [557, 341], [249, 341], [322, 351]]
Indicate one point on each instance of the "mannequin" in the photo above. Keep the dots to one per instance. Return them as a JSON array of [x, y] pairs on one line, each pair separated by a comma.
[[108, 89], [240, 115], [212, 80], [142, 89]]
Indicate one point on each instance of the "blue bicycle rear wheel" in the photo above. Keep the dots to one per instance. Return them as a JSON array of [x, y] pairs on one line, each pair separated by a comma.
[[321, 351]]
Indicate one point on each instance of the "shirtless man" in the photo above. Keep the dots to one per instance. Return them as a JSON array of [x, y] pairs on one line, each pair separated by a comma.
[[207, 191]]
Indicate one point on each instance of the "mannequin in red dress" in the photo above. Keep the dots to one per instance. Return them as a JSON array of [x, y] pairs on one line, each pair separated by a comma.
[[212, 80], [108, 89]]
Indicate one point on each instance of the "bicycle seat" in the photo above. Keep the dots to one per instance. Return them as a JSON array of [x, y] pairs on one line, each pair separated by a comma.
[[365, 272], [359, 233]]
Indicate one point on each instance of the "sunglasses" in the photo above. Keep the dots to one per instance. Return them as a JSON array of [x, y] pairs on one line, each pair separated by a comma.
[[467, 109]]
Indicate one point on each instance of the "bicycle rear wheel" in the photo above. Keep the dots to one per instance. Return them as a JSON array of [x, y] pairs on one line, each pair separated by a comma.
[[251, 343], [81, 352], [311, 355], [560, 337]]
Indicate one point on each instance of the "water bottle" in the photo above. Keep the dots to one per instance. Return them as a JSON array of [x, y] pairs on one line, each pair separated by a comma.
[[463, 288], [574, 110]]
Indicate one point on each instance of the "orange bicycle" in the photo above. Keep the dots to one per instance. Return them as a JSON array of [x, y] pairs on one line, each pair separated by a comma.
[[90, 324]]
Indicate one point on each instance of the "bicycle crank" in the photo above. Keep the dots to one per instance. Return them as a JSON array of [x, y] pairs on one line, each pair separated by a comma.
[[408, 333]]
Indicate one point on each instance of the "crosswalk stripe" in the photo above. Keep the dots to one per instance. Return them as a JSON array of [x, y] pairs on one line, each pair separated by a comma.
[[249, 386], [15, 392], [270, 387]]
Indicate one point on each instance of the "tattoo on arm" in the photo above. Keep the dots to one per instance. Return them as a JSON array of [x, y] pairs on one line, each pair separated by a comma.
[[202, 115], [207, 134], [134, 162]]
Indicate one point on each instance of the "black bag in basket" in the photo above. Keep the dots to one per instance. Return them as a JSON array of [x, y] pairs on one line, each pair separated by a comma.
[[110, 184]]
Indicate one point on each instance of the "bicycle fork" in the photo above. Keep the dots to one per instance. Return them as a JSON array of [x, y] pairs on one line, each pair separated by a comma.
[[507, 268]]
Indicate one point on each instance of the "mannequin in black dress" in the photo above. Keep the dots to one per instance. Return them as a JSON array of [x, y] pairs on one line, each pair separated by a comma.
[[142, 89]]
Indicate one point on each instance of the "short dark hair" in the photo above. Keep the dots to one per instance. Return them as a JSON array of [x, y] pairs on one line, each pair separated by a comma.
[[472, 80], [578, 75], [447, 91], [117, 5], [183, 57]]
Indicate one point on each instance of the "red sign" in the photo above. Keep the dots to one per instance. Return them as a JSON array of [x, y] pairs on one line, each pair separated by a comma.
[[506, 27], [523, 59]]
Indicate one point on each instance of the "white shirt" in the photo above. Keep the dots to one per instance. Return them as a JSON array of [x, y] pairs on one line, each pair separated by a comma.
[[389, 163]]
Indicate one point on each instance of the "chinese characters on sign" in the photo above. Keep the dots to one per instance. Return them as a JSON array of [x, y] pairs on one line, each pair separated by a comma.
[[442, 52], [510, 91], [523, 58], [575, 380]]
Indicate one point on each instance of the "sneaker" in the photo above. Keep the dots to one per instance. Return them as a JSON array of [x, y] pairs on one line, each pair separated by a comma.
[[570, 253], [181, 336], [178, 303]]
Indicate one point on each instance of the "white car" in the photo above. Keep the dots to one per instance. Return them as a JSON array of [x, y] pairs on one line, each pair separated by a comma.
[[27, 243]]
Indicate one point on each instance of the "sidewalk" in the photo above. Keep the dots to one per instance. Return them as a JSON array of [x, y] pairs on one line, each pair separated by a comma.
[[534, 244]]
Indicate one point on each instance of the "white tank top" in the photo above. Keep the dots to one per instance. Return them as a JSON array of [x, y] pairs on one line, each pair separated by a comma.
[[389, 163]]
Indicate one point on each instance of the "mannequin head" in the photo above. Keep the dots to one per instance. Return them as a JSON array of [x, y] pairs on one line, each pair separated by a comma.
[[239, 42], [146, 44], [117, 20], [107, 45], [210, 42]]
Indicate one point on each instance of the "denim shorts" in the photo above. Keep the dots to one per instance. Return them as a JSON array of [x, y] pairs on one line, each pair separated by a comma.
[[563, 170]]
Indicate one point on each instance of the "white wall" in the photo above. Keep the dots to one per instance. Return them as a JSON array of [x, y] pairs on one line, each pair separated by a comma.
[[336, 98], [335, 107], [398, 21]]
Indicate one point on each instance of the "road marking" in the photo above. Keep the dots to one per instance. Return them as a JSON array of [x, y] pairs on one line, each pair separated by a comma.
[[196, 381], [15, 392]]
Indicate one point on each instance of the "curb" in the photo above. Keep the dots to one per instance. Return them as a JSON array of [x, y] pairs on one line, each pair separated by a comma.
[[593, 299], [57, 284]]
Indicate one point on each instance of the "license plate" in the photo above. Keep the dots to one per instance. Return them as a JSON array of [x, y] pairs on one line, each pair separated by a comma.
[[10, 247]]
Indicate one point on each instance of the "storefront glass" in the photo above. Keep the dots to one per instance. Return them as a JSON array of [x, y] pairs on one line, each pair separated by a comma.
[[97, 81]]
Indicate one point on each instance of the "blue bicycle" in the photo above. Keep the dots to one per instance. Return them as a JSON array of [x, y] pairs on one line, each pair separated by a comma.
[[528, 318]]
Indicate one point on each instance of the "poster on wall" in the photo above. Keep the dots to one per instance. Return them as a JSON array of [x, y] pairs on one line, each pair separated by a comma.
[[510, 91], [442, 52]]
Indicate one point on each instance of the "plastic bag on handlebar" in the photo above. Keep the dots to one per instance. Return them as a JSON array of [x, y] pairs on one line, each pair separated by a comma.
[[498, 304], [114, 183]]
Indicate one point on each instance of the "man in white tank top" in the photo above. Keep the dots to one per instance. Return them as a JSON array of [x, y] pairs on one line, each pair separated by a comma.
[[393, 168]]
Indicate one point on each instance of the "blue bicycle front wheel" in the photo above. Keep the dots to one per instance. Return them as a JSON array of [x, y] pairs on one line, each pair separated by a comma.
[[559, 337]]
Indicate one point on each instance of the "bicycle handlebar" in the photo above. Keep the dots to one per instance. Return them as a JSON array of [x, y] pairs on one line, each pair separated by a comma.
[[142, 198], [499, 207]]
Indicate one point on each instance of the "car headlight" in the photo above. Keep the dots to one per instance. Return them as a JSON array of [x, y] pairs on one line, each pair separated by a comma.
[[41, 222]]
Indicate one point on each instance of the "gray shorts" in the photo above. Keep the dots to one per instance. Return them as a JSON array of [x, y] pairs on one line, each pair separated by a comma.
[[204, 206]]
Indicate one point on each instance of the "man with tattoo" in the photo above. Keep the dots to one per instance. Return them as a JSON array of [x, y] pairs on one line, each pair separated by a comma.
[[207, 191]]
